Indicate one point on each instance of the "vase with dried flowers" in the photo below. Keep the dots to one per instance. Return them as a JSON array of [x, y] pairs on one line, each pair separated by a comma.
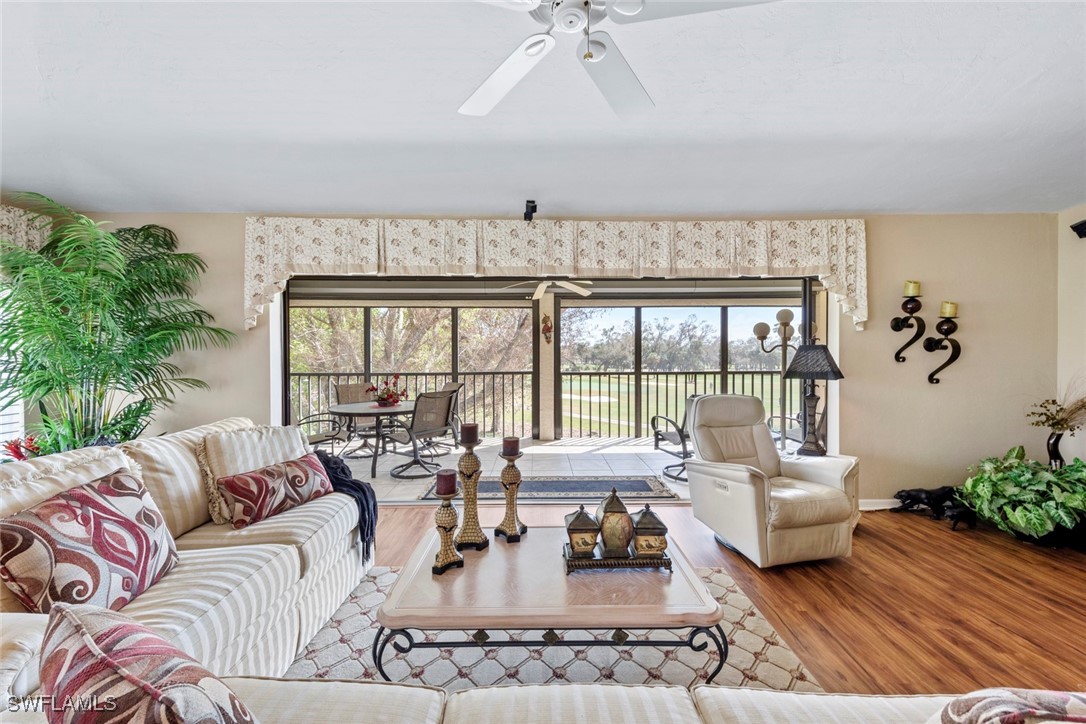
[[1060, 416], [389, 392]]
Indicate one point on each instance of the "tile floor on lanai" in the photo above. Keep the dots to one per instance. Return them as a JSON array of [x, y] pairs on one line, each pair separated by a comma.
[[577, 456]]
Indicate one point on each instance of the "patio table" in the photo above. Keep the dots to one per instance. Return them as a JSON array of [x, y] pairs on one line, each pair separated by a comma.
[[379, 413]]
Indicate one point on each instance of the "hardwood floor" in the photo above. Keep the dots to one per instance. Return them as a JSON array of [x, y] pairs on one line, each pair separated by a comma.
[[917, 609]]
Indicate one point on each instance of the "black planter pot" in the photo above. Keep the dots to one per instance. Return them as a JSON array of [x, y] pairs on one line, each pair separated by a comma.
[[1055, 459], [1060, 538]]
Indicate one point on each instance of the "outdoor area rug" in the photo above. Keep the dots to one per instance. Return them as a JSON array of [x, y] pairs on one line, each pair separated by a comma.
[[757, 656], [570, 487]]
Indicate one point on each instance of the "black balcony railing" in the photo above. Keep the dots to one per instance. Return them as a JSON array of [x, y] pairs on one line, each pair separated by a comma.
[[604, 404], [501, 402], [594, 404]]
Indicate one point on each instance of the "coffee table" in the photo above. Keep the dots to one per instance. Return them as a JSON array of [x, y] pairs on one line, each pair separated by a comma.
[[524, 586]]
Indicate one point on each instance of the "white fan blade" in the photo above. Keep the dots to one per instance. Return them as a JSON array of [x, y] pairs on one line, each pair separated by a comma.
[[524, 6], [613, 75], [636, 11], [574, 288], [508, 74], [512, 286], [540, 290]]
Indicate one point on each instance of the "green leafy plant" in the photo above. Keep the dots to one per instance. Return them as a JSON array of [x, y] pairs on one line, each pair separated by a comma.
[[1025, 497], [90, 324]]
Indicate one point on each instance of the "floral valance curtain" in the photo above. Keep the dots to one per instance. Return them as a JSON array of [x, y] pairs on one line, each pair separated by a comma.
[[277, 248], [20, 227]]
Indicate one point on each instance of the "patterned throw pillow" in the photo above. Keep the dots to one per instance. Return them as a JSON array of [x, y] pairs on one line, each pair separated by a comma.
[[254, 496], [1013, 706], [103, 542], [115, 669]]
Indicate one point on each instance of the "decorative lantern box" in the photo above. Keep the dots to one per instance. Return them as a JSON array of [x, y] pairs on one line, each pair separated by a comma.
[[583, 530], [650, 534], [616, 528]]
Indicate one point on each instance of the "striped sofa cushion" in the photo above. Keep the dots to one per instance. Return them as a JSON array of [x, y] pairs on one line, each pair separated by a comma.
[[304, 700], [172, 474], [212, 596], [761, 706], [235, 452], [317, 529], [27, 483], [602, 703]]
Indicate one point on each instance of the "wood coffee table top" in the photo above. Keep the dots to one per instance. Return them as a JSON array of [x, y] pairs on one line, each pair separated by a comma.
[[524, 586]]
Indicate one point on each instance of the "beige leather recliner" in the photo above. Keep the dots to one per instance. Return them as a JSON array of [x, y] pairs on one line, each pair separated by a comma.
[[773, 511]]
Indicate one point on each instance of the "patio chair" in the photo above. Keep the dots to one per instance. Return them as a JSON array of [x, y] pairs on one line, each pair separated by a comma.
[[455, 387], [432, 419], [666, 430], [322, 429], [362, 430], [771, 510]]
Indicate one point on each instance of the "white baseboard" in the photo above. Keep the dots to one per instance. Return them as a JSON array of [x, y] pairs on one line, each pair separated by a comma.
[[878, 503]]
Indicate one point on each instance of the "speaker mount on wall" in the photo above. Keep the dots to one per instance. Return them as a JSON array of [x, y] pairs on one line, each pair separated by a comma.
[[1080, 229]]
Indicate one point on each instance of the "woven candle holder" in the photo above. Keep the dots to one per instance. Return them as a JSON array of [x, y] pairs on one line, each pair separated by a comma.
[[471, 534], [511, 528]]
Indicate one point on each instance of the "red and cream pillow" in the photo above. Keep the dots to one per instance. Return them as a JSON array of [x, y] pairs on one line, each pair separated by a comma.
[[127, 672], [103, 543], [260, 472], [1013, 706]]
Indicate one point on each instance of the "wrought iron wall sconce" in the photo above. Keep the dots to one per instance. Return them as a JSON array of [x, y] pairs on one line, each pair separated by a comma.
[[910, 306], [946, 327]]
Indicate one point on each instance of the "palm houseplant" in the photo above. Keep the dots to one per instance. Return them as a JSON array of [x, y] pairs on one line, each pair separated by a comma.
[[1028, 499], [91, 323]]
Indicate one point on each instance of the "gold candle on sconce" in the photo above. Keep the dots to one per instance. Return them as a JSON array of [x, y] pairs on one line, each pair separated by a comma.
[[948, 309], [912, 288]]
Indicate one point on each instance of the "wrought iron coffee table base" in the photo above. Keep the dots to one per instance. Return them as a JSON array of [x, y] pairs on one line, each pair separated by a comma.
[[713, 635]]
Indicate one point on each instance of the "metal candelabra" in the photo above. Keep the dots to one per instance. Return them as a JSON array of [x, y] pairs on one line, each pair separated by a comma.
[[785, 331]]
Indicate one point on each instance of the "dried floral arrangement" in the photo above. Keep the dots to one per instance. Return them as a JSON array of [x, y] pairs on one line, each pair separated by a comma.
[[1066, 415]]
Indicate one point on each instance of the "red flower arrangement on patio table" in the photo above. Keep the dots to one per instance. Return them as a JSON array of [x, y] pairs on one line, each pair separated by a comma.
[[389, 392], [20, 449]]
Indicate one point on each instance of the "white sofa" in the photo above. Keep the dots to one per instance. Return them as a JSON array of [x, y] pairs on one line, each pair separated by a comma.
[[241, 602], [244, 603]]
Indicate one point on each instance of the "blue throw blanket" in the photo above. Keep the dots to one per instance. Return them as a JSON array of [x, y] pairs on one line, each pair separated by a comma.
[[342, 482]]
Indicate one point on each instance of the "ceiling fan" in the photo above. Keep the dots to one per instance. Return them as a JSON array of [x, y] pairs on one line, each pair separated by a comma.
[[597, 51], [542, 287]]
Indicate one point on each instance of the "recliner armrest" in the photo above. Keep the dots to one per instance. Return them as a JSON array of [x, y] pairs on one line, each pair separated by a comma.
[[734, 473], [21, 637], [838, 471]]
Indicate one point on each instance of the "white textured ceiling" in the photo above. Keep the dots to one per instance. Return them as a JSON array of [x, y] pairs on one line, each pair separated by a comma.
[[786, 108]]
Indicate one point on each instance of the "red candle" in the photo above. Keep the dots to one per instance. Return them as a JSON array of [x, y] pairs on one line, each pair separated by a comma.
[[469, 433], [510, 446], [446, 482]]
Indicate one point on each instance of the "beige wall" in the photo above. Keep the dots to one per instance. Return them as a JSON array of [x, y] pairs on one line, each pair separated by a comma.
[[1000, 268], [1071, 354], [239, 377]]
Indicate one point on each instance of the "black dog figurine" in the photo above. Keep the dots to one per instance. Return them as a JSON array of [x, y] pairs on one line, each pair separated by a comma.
[[936, 499], [958, 513]]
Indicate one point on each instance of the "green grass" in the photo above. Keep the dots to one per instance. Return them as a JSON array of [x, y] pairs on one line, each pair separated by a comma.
[[603, 405]]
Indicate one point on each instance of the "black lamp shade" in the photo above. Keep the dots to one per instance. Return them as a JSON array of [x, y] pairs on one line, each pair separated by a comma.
[[813, 362]]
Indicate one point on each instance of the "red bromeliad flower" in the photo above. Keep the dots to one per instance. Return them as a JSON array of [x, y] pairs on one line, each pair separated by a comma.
[[14, 448]]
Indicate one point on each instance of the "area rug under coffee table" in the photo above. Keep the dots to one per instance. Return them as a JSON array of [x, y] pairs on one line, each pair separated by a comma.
[[538, 488], [757, 656]]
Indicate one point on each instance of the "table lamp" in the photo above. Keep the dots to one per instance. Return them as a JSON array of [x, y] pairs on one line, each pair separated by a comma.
[[812, 362]]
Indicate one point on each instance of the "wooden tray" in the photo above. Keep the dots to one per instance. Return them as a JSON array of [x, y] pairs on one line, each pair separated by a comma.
[[598, 562]]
